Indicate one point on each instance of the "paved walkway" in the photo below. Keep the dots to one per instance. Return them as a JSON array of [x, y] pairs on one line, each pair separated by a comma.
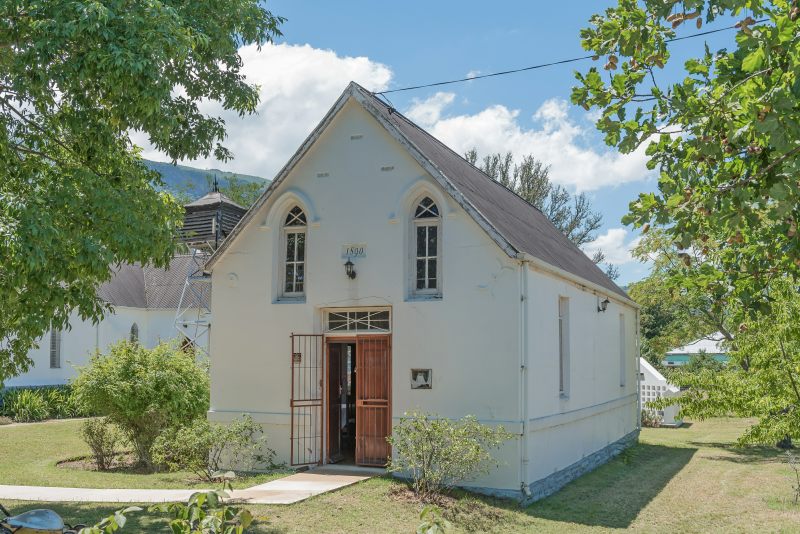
[[287, 490]]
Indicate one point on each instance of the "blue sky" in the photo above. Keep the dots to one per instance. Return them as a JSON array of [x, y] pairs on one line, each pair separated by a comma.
[[384, 45]]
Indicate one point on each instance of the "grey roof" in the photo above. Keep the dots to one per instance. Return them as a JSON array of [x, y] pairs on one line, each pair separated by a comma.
[[137, 286], [212, 199], [516, 225], [523, 225]]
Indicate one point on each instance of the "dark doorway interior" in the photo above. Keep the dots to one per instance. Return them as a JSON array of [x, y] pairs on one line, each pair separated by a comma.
[[342, 402]]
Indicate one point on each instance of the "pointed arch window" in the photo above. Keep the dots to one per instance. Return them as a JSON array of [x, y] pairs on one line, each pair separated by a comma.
[[426, 252], [294, 245], [134, 337]]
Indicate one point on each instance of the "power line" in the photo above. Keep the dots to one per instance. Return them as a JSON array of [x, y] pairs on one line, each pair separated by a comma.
[[543, 65]]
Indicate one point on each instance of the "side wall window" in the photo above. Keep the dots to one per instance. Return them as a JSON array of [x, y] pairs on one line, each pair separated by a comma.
[[294, 244], [563, 346], [55, 349], [426, 249], [622, 350]]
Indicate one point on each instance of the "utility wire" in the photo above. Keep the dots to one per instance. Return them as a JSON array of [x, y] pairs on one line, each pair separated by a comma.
[[543, 65]]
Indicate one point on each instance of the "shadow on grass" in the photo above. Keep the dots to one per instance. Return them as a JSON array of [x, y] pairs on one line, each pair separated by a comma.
[[614, 494], [743, 455]]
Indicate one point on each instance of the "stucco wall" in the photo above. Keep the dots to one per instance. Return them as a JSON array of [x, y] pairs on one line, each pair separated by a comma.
[[83, 339], [354, 201], [596, 411]]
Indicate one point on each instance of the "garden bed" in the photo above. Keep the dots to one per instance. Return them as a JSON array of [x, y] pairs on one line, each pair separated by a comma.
[[52, 453]]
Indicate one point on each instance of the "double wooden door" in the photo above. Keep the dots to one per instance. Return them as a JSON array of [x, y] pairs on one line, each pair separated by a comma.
[[373, 393]]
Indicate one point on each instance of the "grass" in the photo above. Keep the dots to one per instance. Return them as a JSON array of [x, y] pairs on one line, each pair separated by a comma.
[[29, 454], [677, 480]]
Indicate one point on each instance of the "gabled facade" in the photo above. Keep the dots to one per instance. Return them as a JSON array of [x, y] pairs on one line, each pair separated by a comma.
[[380, 273]]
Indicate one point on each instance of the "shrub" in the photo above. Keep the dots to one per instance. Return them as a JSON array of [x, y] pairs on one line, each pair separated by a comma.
[[432, 521], [144, 392], [439, 453], [59, 402], [26, 405], [103, 440], [650, 418], [204, 447]]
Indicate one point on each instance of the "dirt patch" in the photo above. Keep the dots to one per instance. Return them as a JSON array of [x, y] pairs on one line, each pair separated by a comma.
[[124, 462], [468, 511]]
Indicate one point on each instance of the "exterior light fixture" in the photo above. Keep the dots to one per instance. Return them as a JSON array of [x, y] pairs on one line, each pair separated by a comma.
[[602, 305], [349, 269]]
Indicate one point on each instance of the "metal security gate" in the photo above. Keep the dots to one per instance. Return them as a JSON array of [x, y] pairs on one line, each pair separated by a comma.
[[373, 399], [308, 379]]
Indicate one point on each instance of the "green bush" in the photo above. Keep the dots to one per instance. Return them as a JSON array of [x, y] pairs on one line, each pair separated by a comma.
[[59, 402], [144, 392], [26, 405], [206, 448], [439, 453], [103, 440]]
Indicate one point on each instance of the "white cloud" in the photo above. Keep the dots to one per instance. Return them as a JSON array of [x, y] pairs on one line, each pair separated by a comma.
[[615, 244], [298, 84], [555, 139], [428, 112]]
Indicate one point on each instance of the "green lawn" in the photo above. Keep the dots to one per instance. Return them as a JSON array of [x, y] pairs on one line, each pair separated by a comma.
[[676, 480], [29, 455]]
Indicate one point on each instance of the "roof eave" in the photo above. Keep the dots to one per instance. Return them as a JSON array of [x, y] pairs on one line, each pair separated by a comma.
[[594, 287]]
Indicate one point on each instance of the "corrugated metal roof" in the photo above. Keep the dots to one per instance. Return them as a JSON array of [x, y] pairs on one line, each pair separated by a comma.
[[212, 199], [710, 345], [150, 287]]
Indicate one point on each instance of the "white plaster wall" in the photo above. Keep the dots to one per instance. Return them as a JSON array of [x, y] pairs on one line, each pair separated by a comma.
[[469, 337], [597, 410], [84, 338]]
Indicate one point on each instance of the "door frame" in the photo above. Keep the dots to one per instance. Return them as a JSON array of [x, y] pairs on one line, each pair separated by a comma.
[[329, 340], [351, 338]]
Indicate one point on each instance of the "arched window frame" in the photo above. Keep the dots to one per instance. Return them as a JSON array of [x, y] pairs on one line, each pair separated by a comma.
[[426, 219], [294, 253], [134, 334]]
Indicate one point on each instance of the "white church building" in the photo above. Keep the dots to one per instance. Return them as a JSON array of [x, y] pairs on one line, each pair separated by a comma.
[[145, 301], [381, 273]]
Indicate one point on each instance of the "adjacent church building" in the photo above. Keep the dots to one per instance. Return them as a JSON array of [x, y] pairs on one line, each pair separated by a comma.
[[381, 273]]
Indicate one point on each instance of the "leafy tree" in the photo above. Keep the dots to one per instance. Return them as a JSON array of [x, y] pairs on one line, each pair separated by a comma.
[[761, 379], [680, 302], [240, 191], [144, 391], [726, 138], [701, 361], [530, 179], [76, 76]]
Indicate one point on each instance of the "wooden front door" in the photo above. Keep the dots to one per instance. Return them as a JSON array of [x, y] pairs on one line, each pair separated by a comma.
[[373, 399]]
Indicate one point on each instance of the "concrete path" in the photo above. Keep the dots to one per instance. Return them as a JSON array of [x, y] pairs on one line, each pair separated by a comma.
[[287, 490]]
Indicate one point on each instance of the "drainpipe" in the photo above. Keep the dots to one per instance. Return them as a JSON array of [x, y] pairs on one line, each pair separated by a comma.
[[523, 376], [638, 372]]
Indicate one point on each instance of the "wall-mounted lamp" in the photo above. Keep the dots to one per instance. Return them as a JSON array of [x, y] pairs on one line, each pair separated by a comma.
[[349, 269], [602, 305]]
